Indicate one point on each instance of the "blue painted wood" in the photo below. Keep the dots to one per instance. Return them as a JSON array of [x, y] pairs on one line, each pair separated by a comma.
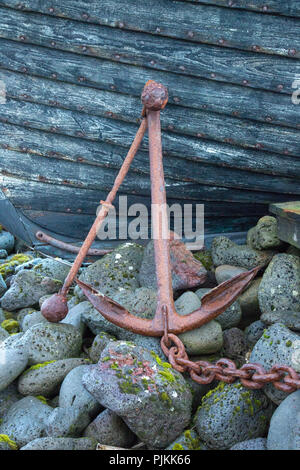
[[196, 123], [195, 22], [286, 7]]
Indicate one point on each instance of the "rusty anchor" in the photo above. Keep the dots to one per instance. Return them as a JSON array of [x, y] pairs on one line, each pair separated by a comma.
[[167, 323]]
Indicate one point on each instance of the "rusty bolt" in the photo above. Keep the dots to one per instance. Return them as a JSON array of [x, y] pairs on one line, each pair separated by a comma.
[[154, 96]]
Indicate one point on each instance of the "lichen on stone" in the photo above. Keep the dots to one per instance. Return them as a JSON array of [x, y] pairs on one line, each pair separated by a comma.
[[12, 444]]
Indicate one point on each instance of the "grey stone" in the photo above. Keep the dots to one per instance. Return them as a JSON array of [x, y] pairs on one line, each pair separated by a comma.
[[234, 344], [29, 264], [51, 341], [230, 414], [13, 360], [226, 271], [225, 251], [45, 379], [73, 393], [51, 268], [3, 286], [32, 319], [284, 431], [99, 343], [3, 334], [7, 241], [280, 285], [141, 302], [292, 250], [180, 279], [248, 301], [25, 420], [264, 235], [286, 317], [8, 397], [204, 340], [27, 288], [152, 398], [252, 444], [116, 271], [189, 440], [278, 345], [230, 317], [3, 254], [2, 316], [67, 422], [61, 443], [109, 429], [74, 317], [21, 314], [253, 332]]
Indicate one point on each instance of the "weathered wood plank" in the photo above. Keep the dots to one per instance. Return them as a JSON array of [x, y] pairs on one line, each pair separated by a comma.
[[200, 23], [19, 189], [49, 197], [287, 8], [154, 52], [179, 147], [58, 171], [189, 121], [198, 93], [57, 146]]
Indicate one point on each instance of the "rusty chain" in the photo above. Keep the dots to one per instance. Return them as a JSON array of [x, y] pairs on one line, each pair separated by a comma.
[[251, 375]]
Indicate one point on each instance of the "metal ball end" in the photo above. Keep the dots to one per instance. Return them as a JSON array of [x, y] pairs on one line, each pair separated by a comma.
[[154, 96], [55, 308]]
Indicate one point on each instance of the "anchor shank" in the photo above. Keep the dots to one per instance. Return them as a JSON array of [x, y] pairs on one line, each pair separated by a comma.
[[159, 216]]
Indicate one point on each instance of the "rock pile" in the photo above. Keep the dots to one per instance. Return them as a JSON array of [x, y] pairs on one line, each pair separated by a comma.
[[84, 381]]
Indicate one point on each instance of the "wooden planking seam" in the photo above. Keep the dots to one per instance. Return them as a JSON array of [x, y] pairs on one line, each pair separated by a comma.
[[81, 175], [101, 129], [210, 62], [251, 70], [248, 103], [196, 123], [236, 100], [11, 182], [289, 8], [192, 22]]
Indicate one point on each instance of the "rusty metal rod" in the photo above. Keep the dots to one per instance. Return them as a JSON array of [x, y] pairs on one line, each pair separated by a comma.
[[55, 308], [42, 236]]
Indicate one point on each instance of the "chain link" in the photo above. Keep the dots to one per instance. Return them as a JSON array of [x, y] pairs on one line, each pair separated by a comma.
[[251, 375]]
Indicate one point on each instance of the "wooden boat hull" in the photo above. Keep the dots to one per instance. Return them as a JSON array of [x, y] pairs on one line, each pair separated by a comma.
[[72, 82]]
